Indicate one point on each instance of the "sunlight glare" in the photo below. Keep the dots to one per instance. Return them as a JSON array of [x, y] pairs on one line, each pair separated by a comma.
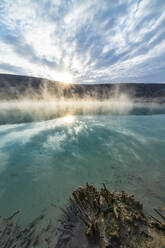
[[69, 119], [67, 78], [63, 76]]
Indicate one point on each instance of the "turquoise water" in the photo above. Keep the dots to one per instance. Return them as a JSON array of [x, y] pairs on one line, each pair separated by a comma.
[[42, 162]]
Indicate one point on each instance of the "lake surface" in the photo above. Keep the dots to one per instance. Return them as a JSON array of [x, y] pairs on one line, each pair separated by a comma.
[[41, 162]]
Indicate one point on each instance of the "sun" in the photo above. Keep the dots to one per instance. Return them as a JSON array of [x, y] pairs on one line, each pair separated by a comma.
[[62, 76], [67, 78]]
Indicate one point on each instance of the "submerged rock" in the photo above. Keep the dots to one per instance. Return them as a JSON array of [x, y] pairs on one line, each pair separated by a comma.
[[111, 220], [92, 219]]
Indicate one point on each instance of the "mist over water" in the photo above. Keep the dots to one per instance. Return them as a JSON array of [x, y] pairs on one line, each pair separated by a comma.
[[49, 147], [22, 111]]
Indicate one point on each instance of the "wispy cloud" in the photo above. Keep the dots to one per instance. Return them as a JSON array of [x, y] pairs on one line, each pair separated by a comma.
[[84, 41]]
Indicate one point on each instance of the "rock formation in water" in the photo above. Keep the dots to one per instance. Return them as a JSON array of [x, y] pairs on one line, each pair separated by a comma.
[[92, 219], [110, 220]]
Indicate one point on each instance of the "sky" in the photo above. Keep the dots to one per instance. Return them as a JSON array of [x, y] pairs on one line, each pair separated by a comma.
[[83, 41]]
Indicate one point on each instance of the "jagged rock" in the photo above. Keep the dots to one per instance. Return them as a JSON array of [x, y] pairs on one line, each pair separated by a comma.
[[92, 219], [111, 220]]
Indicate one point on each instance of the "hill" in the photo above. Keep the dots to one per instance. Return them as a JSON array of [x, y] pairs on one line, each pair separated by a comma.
[[16, 86]]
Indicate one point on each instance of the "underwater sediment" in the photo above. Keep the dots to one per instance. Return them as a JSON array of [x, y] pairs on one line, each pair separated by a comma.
[[93, 218]]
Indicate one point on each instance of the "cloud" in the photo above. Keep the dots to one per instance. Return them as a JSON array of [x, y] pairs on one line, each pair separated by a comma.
[[10, 68], [94, 41]]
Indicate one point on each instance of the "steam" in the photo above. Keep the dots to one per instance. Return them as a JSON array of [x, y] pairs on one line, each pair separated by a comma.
[[50, 101], [26, 110], [31, 110]]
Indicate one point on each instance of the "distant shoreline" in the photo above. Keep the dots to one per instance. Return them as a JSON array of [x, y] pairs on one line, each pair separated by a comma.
[[19, 87]]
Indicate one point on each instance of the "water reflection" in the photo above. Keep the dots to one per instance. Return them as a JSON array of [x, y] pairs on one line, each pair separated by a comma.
[[32, 111], [68, 119], [42, 162]]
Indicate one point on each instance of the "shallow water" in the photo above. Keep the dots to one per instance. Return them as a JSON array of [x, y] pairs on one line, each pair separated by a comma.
[[42, 162]]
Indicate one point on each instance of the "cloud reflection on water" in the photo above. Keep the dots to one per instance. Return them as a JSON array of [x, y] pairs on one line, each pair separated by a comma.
[[46, 160]]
